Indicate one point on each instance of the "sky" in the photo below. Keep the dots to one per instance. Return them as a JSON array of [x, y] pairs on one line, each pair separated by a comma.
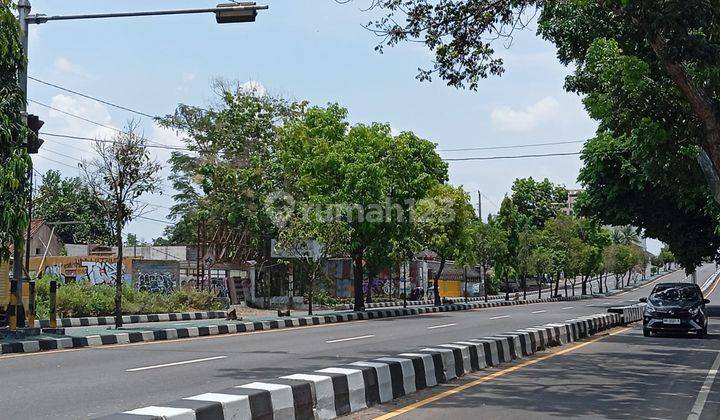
[[315, 50]]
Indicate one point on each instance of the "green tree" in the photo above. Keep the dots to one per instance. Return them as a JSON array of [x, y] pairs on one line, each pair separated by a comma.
[[14, 161], [595, 239], [491, 243], [444, 221], [225, 180], [362, 174], [71, 200], [508, 220], [121, 173], [311, 241], [648, 72], [538, 201]]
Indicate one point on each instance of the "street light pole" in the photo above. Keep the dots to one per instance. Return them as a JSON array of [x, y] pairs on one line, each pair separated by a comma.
[[224, 13], [23, 13]]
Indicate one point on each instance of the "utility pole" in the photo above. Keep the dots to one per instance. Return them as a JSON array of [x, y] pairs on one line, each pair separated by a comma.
[[23, 13], [480, 205]]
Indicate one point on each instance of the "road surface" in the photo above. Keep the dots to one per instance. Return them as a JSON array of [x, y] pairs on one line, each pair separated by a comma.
[[84, 383]]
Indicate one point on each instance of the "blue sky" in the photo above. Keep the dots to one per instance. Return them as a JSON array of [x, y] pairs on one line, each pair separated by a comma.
[[301, 49]]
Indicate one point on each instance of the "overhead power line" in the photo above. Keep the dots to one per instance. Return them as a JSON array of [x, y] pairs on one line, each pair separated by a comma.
[[102, 101], [514, 146], [67, 136], [70, 114], [510, 157]]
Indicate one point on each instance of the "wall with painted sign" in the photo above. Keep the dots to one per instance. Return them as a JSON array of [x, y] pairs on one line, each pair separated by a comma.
[[95, 269], [156, 276]]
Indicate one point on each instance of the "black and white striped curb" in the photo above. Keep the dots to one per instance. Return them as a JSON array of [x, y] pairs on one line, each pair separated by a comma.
[[131, 319], [30, 346], [630, 313], [399, 303], [337, 391]]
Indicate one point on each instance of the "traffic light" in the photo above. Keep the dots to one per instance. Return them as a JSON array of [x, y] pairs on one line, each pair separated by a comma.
[[34, 141]]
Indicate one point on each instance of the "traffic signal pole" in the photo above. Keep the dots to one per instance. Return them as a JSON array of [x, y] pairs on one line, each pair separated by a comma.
[[23, 13]]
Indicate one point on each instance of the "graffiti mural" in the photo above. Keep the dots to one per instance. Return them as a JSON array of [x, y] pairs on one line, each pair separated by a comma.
[[93, 269], [100, 272], [156, 276]]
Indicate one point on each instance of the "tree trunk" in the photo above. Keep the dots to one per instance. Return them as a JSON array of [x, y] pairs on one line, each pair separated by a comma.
[[600, 285], [538, 280], [438, 301], [482, 277], [118, 275], [584, 280], [358, 281], [565, 286], [557, 285], [371, 277], [311, 290]]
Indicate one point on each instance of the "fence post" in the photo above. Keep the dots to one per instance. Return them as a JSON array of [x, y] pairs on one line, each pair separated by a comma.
[[31, 305], [12, 306], [53, 303]]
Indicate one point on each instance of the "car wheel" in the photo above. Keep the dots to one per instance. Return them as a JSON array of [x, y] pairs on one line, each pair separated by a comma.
[[702, 333], [646, 332]]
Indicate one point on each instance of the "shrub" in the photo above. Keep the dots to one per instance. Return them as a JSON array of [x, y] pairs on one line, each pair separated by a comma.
[[82, 299]]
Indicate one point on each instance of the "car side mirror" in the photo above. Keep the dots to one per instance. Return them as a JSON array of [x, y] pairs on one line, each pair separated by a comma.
[[706, 300], [643, 300]]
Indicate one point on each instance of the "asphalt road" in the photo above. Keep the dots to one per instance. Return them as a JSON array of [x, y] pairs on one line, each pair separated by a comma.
[[86, 383], [620, 376]]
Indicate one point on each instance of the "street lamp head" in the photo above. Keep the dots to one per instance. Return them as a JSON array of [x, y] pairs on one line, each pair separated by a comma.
[[242, 12]]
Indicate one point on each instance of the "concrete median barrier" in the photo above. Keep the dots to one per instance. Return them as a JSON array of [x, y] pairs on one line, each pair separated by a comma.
[[336, 391]]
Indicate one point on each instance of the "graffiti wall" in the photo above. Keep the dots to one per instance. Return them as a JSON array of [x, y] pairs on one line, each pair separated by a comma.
[[156, 276], [96, 270]]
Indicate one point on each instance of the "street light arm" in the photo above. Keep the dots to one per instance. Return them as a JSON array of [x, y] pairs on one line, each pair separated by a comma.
[[40, 18]]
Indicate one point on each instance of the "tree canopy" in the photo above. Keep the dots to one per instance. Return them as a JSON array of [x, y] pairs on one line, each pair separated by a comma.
[[71, 200], [649, 72], [14, 161]]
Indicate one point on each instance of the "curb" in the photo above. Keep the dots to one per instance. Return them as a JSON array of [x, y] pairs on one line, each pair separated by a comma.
[[399, 303], [336, 391], [30, 346], [130, 319]]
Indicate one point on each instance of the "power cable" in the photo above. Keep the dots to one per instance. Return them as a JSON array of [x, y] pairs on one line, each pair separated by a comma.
[[514, 146], [102, 101], [510, 157]]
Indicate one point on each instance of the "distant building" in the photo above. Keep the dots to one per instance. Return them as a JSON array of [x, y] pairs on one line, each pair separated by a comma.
[[569, 208]]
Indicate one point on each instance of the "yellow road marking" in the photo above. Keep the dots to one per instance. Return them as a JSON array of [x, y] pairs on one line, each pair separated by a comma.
[[714, 286], [490, 377]]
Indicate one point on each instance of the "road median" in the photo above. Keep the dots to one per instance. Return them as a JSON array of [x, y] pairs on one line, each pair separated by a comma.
[[340, 390]]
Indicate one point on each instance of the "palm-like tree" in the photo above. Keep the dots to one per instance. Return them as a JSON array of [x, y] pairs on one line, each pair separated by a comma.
[[626, 235]]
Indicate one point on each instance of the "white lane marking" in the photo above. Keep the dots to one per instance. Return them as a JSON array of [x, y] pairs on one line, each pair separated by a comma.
[[537, 312], [623, 293], [704, 390], [187, 362], [568, 307], [340, 340], [441, 326], [500, 317]]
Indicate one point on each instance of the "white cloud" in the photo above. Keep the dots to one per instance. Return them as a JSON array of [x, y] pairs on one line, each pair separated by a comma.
[[253, 87], [84, 108], [188, 77], [64, 65], [545, 110]]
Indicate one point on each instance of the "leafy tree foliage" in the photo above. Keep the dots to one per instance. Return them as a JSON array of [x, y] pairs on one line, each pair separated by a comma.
[[71, 200], [444, 222], [650, 74], [372, 176], [538, 201], [14, 161]]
